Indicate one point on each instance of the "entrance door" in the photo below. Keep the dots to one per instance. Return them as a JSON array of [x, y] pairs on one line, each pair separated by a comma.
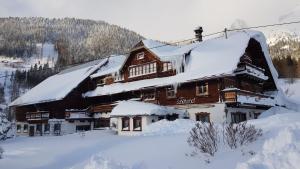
[[31, 131]]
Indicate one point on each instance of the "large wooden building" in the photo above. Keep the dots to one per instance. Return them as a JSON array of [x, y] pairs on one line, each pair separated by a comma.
[[222, 80]]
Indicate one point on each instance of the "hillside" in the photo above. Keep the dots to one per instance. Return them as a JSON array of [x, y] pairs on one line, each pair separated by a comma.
[[76, 40]]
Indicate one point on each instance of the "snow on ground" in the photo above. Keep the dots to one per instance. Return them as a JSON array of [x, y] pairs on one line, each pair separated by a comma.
[[291, 89], [163, 145]]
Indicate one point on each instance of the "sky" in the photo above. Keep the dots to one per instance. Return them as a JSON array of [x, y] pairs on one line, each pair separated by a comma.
[[166, 20]]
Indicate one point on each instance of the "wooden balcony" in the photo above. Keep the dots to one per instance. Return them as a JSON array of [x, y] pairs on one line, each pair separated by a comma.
[[251, 72], [39, 115], [235, 95]]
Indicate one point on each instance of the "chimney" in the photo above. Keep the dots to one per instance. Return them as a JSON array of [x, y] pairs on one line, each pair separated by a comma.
[[198, 33]]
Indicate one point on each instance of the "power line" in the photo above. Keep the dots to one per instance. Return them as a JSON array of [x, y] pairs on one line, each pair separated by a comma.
[[181, 41], [264, 26]]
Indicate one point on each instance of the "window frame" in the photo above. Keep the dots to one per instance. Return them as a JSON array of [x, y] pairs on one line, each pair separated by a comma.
[[134, 125], [168, 91], [19, 128], [149, 95], [25, 131], [202, 86], [140, 56], [123, 120], [45, 128]]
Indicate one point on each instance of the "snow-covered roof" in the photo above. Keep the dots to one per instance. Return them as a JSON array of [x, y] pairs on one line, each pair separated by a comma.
[[159, 49], [134, 108], [60, 85], [113, 65], [210, 58]]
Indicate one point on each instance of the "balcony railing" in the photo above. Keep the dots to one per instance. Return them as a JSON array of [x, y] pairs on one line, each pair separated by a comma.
[[39, 115], [252, 71], [235, 95]]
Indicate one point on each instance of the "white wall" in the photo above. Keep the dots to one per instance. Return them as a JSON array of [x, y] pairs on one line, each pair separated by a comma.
[[66, 127], [216, 111], [146, 120]]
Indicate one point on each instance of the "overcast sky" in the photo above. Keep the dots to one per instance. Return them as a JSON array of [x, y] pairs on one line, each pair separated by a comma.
[[167, 20]]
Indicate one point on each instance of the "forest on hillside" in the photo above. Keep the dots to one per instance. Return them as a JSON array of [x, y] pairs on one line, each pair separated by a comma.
[[76, 40], [285, 55]]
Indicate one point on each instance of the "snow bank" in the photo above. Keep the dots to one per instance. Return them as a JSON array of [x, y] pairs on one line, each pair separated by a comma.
[[275, 110], [280, 152], [99, 161], [165, 127], [132, 108]]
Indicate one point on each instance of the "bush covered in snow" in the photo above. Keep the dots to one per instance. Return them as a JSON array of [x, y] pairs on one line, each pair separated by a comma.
[[204, 137], [240, 134]]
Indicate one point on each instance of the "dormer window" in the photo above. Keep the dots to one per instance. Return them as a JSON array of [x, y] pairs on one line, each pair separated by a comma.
[[167, 66], [140, 56]]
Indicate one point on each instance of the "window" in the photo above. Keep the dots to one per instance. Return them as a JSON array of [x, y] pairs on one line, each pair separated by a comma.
[[118, 77], [149, 96], [167, 66], [39, 129], [142, 69], [18, 128], [203, 117], [83, 128], [256, 115], [47, 128], [125, 124], [147, 69], [100, 82], [137, 123], [130, 72], [140, 56], [57, 128], [202, 89], [170, 92], [25, 128], [238, 117]]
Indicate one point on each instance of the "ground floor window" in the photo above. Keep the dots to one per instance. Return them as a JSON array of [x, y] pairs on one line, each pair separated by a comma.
[[25, 128], [102, 122], [125, 123], [39, 128], [18, 128], [137, 123], [57, 128], [203, 117], [238, 117], [256, 115], [47, 128]]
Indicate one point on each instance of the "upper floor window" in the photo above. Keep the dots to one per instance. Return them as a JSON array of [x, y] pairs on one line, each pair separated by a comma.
[[100, 82], [167, 66], [140, 70], [140, 56], [170, 91], [202, 89], [118, 77]]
